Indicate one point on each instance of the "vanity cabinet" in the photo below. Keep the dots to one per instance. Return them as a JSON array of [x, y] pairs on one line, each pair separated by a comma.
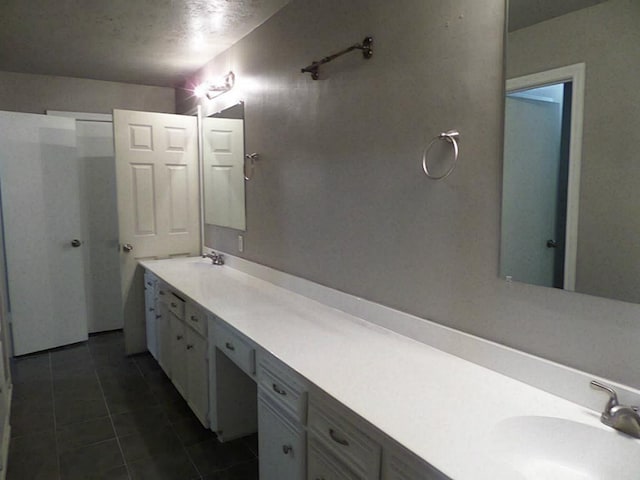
[[281, 443], [236, 387], [150, 297], [163, 327], [233, 411], [197, 375], [324, 466], [282, 414], [180, 334], [178, 354], [342, 441]]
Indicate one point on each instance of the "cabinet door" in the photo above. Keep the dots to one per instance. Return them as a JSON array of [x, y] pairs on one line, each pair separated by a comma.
[[281, 444], [178, 355], [164, 337], [324, 466], [198, 376], [150, 314]]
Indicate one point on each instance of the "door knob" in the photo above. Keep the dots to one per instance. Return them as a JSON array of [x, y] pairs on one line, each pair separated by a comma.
[[75, 243], [127, 247]]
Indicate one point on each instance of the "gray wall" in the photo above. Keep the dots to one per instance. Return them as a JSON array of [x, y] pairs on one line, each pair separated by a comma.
[[20, 92], [606, 37], [339, 198]]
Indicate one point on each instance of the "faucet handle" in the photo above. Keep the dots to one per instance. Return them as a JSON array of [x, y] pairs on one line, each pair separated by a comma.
[[613, 397]]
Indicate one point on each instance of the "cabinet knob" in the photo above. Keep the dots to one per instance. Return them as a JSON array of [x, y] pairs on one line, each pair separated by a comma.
[[194, 318], [230, 346], [286, 449], [151, 309], [178, 337], [278, 390], [338, 439], [173, 304], [189, 347], [158, 316]]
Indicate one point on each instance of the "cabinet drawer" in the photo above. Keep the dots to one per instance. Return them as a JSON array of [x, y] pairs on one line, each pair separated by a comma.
[[241, 352], [195, 318], [345, 439], [285, 387], [176, 306], [324, 466]]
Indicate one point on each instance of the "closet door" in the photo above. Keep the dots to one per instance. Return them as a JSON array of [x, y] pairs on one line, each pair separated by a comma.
[[158, 201], [39, 171]]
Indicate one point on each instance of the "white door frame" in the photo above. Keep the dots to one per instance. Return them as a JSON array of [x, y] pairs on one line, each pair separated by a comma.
[[576, 75]]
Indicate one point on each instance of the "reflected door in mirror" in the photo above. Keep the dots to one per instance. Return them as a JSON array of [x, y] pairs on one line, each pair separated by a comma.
[[223, 157]]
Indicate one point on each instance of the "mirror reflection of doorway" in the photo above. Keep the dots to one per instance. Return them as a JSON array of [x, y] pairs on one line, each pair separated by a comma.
[[541, 179], [537, 129]]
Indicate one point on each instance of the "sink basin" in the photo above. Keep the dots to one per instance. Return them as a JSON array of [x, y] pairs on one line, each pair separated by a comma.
[[547, 448]]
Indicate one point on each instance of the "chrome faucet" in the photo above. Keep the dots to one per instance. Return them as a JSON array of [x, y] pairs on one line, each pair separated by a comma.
[[216, 258], [621, 417]]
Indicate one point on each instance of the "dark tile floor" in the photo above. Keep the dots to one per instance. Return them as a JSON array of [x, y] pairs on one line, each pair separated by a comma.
[[89, 412]]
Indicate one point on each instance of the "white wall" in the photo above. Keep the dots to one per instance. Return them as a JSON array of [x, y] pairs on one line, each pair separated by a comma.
[[21, 92], [338, 196]]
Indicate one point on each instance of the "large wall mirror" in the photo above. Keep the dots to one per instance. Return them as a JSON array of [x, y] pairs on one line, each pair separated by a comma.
[[223, 167], [571, 175]]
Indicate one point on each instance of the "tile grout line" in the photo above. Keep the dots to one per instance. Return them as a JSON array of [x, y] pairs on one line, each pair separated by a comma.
[[115, 433], [173, 429], [55, 423]]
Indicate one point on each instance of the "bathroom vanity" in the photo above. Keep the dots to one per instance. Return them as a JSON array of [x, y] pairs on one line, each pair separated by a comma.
[[334, 396]]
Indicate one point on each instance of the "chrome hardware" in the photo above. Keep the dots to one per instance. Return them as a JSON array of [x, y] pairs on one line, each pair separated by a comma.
[[450, 137], [179, 337], [336, 438], [230, 346], [75, 243], [364, 47], [278, 390], [253, 158], [620, 417], [127, 247], [216, 258], [286, 449]]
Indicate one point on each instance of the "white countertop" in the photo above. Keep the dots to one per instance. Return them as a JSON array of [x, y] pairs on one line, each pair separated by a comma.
[[441, 407]]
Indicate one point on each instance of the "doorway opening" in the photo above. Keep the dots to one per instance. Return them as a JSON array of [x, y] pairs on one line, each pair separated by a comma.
[[541, 172]]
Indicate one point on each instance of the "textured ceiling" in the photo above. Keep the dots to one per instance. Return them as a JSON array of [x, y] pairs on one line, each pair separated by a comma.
[[150, 42], [524, 13]]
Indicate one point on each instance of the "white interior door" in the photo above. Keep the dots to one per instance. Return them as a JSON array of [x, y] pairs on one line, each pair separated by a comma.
[[530, 191], [158, 201], [39, 171], [223, 157]]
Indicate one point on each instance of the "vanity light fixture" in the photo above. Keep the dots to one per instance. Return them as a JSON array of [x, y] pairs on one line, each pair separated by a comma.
[[212, 89]]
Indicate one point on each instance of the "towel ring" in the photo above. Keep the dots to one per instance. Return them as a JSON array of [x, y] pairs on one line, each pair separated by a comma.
[[450, 137]]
